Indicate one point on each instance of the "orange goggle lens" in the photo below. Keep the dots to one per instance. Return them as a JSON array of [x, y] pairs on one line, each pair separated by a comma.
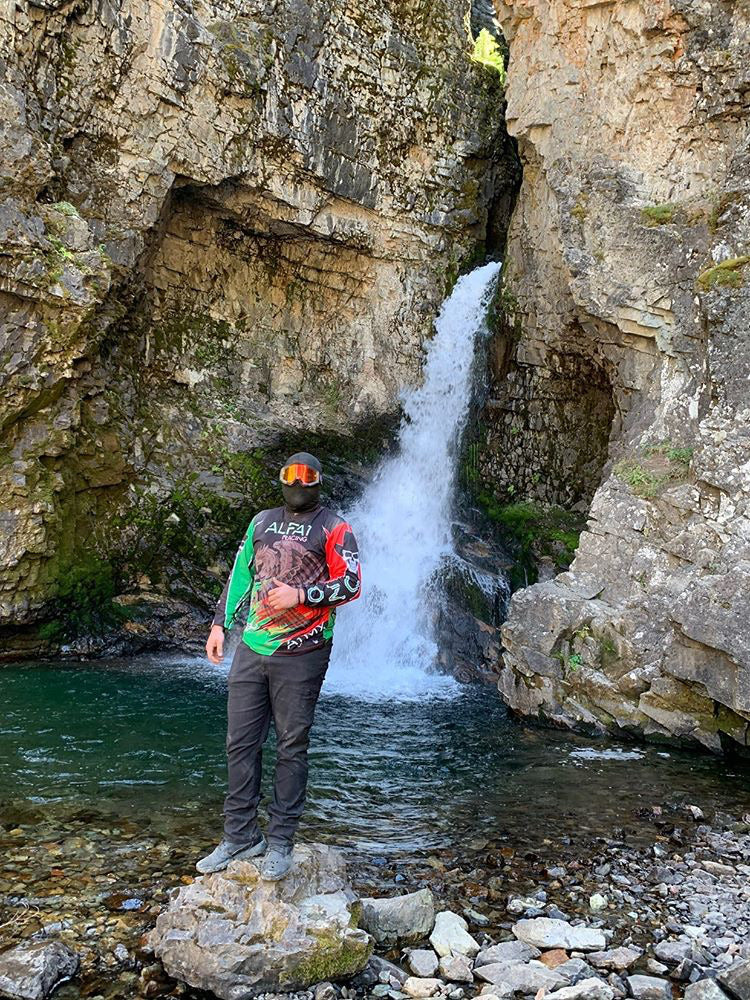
[[305, 473]]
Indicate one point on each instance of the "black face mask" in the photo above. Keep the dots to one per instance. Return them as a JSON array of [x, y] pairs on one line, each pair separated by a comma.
[[299, 498]]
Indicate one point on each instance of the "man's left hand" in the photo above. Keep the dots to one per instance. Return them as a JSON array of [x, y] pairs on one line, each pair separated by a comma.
[[282, 596]]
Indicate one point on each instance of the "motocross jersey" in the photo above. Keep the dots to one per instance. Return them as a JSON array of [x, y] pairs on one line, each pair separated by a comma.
[[315, 550]]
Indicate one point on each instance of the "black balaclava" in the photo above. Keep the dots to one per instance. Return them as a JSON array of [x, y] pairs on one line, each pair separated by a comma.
[[299, 498]]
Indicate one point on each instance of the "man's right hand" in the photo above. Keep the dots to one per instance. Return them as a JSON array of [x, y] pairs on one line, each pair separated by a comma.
[[215, 644]]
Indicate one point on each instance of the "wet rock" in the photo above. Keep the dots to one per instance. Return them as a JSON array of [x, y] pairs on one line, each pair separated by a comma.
[[417, 987], [736, 980], [615, 958], [451, 937], [423, 962], [529, 977], [705, 989], [233, 933], [394, 919], [586, 989], [649, 988], [506, 951], [32, 970], [545, 932], [456, 969]]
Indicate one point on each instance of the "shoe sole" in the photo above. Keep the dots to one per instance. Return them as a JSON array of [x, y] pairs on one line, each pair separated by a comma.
[[247, 852]]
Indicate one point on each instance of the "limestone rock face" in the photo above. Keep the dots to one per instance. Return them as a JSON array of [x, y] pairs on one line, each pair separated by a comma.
[[220, 223], [237, 935], [622, 367]]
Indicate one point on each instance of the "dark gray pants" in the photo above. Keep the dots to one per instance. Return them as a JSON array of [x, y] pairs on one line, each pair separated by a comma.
[[284, 688]]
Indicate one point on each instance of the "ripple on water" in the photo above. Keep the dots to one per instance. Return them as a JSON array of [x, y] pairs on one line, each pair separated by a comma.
[[145, 739]]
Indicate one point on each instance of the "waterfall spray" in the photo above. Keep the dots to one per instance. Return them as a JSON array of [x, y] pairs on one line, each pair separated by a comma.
[[384, 645]]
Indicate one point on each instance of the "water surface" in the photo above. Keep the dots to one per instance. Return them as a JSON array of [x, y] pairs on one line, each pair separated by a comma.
[[144, 739]]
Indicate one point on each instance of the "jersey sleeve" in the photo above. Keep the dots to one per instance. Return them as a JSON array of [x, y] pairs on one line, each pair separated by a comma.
[[240, 582], [345, 574]]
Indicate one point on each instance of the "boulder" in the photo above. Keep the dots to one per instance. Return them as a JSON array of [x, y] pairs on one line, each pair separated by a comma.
[[30, 971], [394, 919], [423, 962], [649, 988], [736, 980], [586, 989], [450, 935], [506, 951], [546, 932], [236, 935], [528, 977]]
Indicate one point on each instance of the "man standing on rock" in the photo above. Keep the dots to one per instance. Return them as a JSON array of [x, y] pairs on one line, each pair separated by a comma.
[[296, 564]]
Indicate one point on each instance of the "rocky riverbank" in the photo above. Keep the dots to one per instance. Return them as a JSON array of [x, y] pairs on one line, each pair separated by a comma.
[[673, 907]]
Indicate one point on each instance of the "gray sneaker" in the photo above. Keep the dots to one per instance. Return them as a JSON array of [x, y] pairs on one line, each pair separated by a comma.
[[276, 863], [227, 851]]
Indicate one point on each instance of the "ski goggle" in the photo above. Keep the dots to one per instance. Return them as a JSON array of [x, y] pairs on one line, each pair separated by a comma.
[[297, 470]]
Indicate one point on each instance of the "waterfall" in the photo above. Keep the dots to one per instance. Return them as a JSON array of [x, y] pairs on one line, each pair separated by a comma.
[[384, 645]]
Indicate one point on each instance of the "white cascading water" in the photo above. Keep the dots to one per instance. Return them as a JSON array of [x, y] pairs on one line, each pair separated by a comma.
[[384, 645]]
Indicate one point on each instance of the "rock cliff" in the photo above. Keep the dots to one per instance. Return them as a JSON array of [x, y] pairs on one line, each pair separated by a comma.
[[220, 223], [622, 366]]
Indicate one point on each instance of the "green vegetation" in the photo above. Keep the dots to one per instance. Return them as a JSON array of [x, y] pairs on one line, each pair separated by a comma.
[[504, 314], [172, 538], [82, 601], [580, 209], [488, 53], [607, 651], [535, 531], [727, 274], [251, 474], [683, 455], [66, 208], [654, 469], [642, 481], [658, 215]]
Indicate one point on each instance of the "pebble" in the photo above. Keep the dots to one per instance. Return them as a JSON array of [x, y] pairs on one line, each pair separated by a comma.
[[615, 958], [586, 989], [649, 988], [705, 989], [545, 932], [422, 962], [417, 987], [456, 968], [450, 935]]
